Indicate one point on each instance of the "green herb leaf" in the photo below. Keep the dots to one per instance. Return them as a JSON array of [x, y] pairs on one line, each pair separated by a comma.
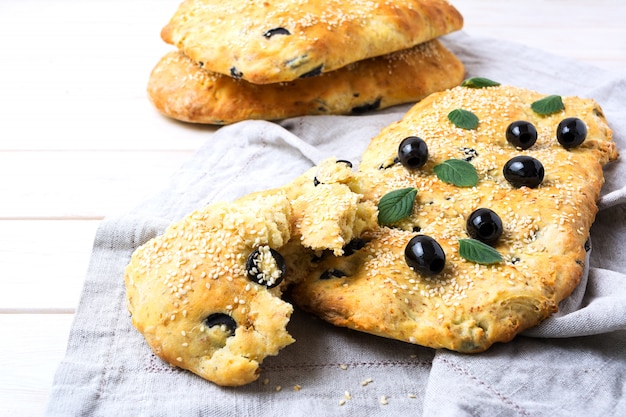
[[463, 119], [476, 251], [457, 172], [479, 82], [548, 105], [396, 205]]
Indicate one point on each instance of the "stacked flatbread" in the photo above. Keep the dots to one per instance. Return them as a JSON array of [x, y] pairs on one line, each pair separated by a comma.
[[270, 60]]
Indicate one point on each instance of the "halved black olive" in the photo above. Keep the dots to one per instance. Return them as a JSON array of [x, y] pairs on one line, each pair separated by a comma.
[[353, 246], [395, 161], [235, 73], [470, 153], [221, 319], [366, 107], [332, 273], [317, 182], [314, 72], [258, 262], [276, 31]]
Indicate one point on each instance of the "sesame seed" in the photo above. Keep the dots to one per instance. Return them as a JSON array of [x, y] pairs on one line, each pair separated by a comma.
[[366, 382]]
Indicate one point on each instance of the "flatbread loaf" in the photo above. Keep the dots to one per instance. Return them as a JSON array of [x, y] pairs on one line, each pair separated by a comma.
[[468, 306], [379, 249], [180, 89], [275, 41]]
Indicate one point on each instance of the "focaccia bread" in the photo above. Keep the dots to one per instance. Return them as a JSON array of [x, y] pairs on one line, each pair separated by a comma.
[[448, 235], [470, 303], [180, 89], [206, 293], [275, 41]]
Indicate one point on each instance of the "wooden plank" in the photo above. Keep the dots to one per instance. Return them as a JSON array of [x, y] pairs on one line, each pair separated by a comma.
[[81, 184], [43, 264], [78, 81], [581, 30], [31, 350]]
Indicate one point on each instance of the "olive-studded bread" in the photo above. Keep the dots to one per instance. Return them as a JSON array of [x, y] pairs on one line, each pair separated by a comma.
[[464, 224], [182, 89], [206, 293], [266, 42], [486, 197]]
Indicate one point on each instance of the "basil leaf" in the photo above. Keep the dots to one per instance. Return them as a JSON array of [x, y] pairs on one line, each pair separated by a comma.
[[463, 119], [548, 105], [479, 82], [457, 172], [476, 251], [396, 205]]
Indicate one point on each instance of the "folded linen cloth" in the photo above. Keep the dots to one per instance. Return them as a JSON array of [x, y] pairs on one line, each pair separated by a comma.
[[572, 364]]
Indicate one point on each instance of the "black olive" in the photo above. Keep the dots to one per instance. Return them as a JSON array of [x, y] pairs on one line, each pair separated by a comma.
[[364, 108], [254, 267], [353, 246], [484, 225], [235, 73], [276, 31], [470, 153], [413, 152], [515, 260], [314, 72], [571, 132], [383, 166], [317, 182], [424, 255], [221, 319], [332, 273], [523, 171], [521, 134]]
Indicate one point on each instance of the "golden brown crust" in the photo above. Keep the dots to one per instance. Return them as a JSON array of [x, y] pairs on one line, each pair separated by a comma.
[[176, 281], [180, 89], [198, 268], [352, 272], [468, 307], [276, 41]]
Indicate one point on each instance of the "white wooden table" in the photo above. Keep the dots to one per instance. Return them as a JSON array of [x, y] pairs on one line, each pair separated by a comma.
[[79, 141]]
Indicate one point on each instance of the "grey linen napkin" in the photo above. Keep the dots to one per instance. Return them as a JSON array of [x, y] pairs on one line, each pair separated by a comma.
[[572, 364]]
